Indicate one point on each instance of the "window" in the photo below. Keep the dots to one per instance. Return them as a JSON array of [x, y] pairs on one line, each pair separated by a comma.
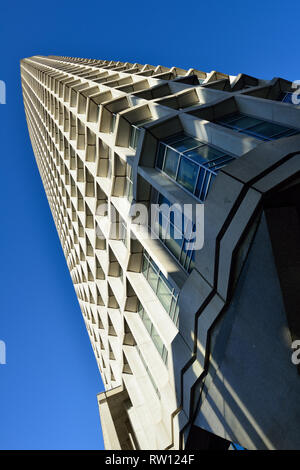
[[287, 97], [109, 162], [122, 230], [113, 123], [191, 163], [148, 372], [176, 238], [135, 132], [122, 277], [157, 341], [129, 184], [165, 293], [258, 128]]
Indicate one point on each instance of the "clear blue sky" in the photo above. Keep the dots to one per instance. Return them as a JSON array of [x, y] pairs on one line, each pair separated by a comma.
[[48, 387]]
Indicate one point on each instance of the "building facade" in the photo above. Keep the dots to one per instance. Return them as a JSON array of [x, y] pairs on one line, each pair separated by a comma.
[[194, 346]]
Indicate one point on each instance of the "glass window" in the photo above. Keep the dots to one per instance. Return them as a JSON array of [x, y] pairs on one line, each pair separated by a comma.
[[161, 286], [164, 294], [174, 242], [244, 122], [113, 123], [269, 129], [187, 174], [128, 192], [185, 144], [171, 162], [203, 183], [258, 128], [288, 98], [188, 257], [204, 154], [175, 138], [135, 131], [122, 274], [123, 230], [145, 266], [148, 372], [147, 323], [134, 135], [228, 118], [157, 341], [152, 277], [163, 226], [176, 315], [182, 158], [174, 229], [109, 163], [160, 156]]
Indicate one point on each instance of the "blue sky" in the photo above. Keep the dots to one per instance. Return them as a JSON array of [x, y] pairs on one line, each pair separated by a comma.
[[48, 386]]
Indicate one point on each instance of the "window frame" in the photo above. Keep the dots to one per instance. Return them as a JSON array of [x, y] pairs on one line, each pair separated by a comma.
[[202, 167], [286, 131], [173, 292]]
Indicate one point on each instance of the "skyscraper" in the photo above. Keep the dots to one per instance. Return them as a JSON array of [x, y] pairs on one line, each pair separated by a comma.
[[194, 345]]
